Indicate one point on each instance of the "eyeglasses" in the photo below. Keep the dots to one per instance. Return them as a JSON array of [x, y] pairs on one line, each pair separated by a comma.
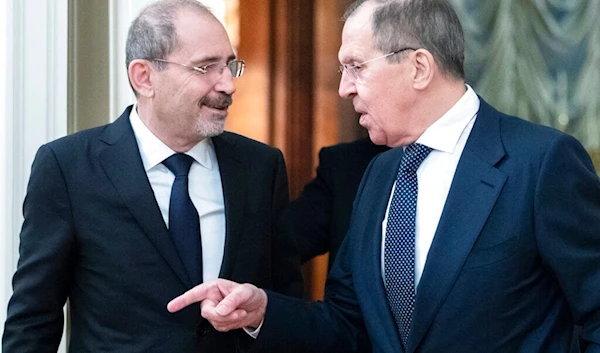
[[353, 70], [235, 66]]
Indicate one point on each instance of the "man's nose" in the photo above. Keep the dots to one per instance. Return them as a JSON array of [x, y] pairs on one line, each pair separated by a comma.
[[225, 83], [347, 87]]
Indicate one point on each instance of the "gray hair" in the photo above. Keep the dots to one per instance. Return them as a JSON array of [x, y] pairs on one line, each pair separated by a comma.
[[152, 34], [428, 24]]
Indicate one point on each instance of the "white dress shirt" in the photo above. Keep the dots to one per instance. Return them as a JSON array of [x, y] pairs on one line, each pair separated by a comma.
[[447, 137], [206, 191]]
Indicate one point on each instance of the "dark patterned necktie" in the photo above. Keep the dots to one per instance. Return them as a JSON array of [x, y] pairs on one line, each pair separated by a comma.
[[399, 253], [184, 223]]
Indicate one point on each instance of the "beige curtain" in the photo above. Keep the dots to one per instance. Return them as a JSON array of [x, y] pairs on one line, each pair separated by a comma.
[[537, 59]]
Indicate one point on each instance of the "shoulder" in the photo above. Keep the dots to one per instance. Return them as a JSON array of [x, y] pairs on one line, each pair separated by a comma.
[[81, 141], [237, 139], [514, 131], [519, 135], [496, 133], [522, 145], [77, 142], [244, 145]]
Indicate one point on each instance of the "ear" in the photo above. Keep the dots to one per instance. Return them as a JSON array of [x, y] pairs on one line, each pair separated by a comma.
[[140, 77], [424, 69]]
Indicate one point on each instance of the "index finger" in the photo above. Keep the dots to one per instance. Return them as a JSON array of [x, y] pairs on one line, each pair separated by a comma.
[[194, 295]]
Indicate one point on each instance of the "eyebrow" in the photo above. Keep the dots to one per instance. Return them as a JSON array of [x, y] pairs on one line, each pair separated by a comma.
[[350, 57], [210, 59]]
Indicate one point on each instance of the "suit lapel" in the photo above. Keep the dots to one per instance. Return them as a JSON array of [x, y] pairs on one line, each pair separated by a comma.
[[386, 337], [122, 163], [474, 191], [233, 171]]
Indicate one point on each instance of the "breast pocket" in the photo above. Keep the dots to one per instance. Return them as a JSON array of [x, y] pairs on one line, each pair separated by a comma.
[[484, 255]]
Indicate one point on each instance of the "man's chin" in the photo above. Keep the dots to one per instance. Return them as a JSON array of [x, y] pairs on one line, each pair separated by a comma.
[[377, 137], [211, 130], [217, 133]]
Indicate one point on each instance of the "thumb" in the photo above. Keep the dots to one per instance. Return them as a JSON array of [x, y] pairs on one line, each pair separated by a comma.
[[237, 299]]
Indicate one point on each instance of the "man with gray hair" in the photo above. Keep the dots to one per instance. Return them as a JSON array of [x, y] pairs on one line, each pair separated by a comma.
[[122, 218], [479, 232]]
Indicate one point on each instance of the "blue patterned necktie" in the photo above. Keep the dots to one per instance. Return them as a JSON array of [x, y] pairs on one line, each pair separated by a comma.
[[184, 223], [399, 253]]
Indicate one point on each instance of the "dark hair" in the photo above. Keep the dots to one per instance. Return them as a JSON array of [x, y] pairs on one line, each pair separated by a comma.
[[428, 24]]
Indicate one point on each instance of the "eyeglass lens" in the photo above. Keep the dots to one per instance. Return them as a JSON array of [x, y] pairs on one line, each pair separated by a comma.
[[236, 67]]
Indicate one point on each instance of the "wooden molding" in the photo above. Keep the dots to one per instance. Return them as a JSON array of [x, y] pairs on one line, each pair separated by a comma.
[[291, 95]]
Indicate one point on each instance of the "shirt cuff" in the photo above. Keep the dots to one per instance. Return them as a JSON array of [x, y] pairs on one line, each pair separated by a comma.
[[253, 332]]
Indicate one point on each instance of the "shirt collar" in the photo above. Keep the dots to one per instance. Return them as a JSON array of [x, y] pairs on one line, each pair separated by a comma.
[[444, 134], [153, 151]]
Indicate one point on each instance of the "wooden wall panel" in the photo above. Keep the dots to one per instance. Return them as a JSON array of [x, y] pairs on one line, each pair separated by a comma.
[[292, 78], [327, 42], [292, 94], [250, 113], [334, 118], [274, 99], [288, 96]]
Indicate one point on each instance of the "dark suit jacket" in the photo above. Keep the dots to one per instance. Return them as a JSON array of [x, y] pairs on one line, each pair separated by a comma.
[[321, 214], [514, 264], [93, 233]]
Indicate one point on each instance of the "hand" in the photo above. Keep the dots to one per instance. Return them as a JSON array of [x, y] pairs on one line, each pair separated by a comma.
[[225, 304]]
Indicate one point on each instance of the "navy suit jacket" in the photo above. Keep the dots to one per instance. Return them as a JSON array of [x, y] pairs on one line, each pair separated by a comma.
[[513, 267], [93, 233], [321, 214]]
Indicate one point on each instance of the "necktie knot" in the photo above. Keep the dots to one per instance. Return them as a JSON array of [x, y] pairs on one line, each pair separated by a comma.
[[414, 155], [179, 164]]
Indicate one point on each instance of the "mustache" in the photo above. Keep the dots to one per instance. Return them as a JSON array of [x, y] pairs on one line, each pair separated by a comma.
[[222, 101]]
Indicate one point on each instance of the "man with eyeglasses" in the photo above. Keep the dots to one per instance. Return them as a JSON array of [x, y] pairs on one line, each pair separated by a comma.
[[479, 232], [122, 218]]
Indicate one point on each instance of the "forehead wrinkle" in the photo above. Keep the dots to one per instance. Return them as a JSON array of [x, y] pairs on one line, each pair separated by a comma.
[[357, 34], [356, 48], [204, 46]]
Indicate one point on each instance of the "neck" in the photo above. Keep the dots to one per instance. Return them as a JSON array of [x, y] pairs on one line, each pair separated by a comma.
[[166, 131], [430, 105], [439, 98]]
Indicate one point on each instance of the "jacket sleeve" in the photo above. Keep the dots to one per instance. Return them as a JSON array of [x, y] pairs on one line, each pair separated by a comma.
[[292, 325], [567, 222], [287, 275], [41, 283], [312, 212]]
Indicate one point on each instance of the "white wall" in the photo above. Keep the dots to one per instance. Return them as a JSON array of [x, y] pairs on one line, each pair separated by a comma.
[[33, 99], [6, 248], [121, 13]]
